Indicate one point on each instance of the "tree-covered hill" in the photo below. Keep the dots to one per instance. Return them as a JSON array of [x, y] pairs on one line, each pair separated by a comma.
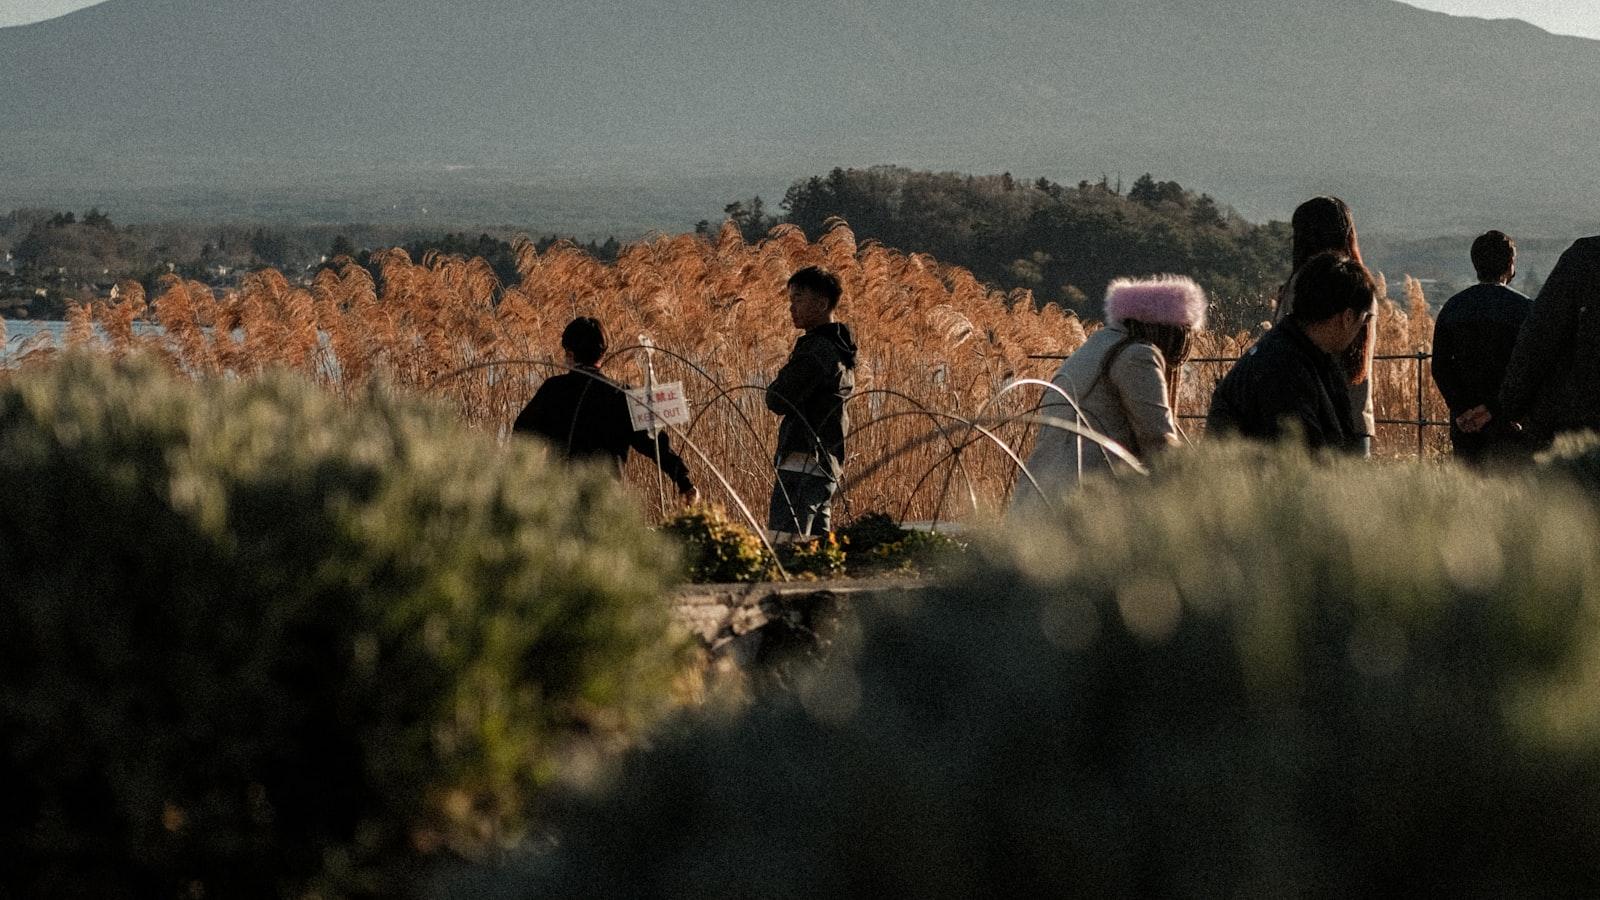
[[1064, 243]]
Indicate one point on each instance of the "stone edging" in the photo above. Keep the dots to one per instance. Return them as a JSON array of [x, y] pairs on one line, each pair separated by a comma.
[[719, 612]]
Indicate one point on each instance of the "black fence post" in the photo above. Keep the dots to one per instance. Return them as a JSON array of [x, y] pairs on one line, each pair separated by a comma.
[[1422, 419]]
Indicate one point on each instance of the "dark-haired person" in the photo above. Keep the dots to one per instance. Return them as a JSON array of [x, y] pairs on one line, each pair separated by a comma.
[[1124, 379], [809, 393], [1472, 343], [585, 417], [1327, 225], [1552, 384], [1292, 380]]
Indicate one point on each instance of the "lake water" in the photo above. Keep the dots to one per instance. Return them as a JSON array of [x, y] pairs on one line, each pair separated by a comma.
[[19, 332]]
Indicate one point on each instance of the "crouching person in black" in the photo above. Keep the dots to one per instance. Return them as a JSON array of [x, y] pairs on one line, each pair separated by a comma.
[[585, 417], [809, 393], [1291, 379]]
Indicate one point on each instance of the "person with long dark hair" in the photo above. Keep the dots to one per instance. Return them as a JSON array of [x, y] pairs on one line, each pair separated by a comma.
[[1326, 225], [1123, 383]]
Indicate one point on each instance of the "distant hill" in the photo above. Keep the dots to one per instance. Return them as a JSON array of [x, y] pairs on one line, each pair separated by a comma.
[[504, 108]]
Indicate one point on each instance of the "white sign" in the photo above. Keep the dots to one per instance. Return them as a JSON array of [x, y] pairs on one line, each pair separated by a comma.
[[666, 405]]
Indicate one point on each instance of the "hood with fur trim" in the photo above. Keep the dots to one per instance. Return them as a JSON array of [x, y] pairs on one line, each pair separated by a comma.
[[1163, 300]]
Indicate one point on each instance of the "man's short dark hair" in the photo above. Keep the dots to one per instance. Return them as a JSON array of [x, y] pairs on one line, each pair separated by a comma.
[[585, 340], [1494, 254], [1329, 284], [818, 281]]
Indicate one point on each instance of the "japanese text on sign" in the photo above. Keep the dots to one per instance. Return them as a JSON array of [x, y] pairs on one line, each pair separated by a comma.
[[652, 410]]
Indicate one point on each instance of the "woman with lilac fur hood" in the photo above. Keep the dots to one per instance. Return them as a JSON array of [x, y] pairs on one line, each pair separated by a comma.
[[1124, 380]]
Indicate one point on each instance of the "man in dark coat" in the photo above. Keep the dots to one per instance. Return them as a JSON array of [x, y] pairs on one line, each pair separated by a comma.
[[809, 393], [1291, 381], [1553, 382], [585, 417], [1472, 343]]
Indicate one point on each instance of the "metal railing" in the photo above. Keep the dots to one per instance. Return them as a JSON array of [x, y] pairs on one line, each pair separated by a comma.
[[1421, 422]]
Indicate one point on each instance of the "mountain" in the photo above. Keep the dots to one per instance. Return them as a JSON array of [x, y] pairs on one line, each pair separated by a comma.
[[1423, 120]]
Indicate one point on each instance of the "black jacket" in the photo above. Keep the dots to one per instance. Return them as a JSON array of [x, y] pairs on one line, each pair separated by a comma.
[[585, 417], [1553, 381], [1472, 343], [1286, 379], [810, 392]]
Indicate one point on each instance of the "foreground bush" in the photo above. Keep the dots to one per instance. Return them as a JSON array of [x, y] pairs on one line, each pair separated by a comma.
[[1248, 677], [258, 642], [1575, 458]]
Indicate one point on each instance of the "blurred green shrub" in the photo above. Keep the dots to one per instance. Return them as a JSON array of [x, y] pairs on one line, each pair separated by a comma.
[[1575, 457], [1248, 676], [717, 549], [260, 641]]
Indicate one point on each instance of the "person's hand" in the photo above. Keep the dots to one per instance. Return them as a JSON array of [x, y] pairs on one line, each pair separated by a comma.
[[1473, 420]]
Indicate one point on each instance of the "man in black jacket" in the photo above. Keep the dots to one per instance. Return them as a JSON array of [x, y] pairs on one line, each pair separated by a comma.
[[809, 394], [1472, 343], [1290, 380], [1553, 382], [585, 417]]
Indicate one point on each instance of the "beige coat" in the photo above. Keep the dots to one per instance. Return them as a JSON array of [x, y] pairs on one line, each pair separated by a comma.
[[1129, 405]]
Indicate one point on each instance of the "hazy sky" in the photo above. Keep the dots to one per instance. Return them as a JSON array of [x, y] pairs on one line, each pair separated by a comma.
[[19, 12], [1562, 16]]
